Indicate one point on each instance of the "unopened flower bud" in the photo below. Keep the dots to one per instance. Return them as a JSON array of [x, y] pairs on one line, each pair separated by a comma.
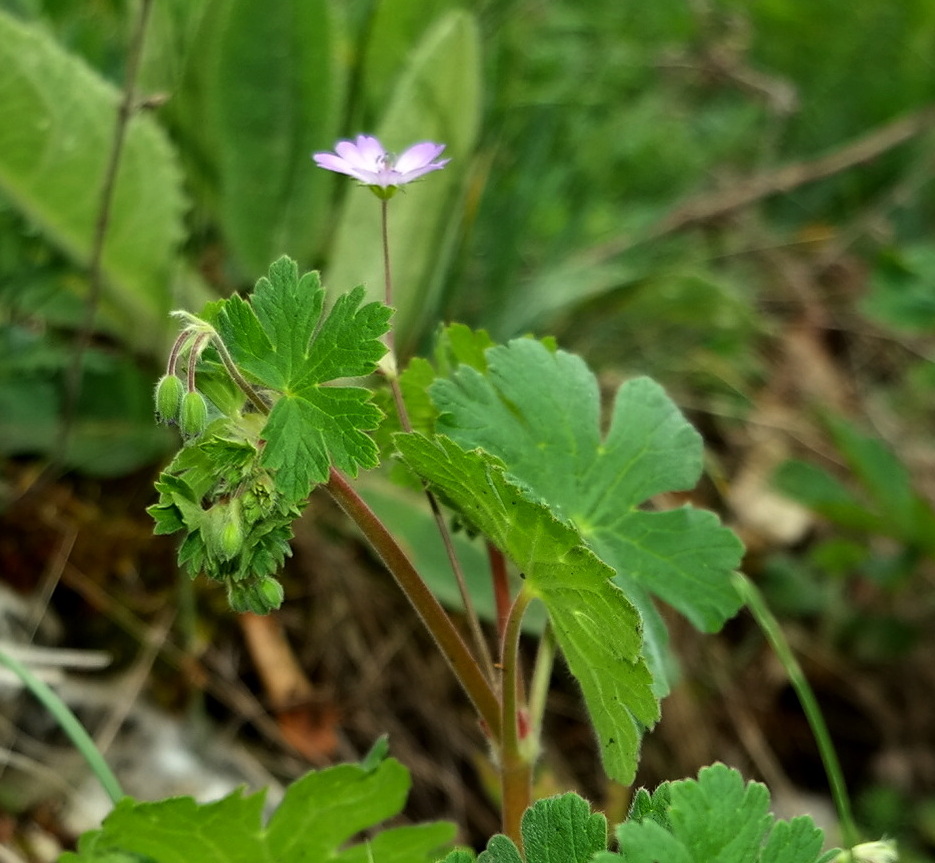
[[238, 597], [223, 530], [270, 593], [193, 416], [260, 597], [169, 393], [230, 535]]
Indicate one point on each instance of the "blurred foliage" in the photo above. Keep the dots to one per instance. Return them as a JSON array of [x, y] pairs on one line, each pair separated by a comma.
[[573, 135]]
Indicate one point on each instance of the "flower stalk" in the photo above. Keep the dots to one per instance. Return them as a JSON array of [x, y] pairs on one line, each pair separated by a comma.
[[446, 636]]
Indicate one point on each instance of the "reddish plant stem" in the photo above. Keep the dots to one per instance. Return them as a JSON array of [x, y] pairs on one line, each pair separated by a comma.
[[465, 667]]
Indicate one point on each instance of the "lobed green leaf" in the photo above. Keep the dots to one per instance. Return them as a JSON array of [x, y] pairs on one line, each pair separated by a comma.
[[539, 411], [281, 342], [716, 818], [597, 628], [319, 815]]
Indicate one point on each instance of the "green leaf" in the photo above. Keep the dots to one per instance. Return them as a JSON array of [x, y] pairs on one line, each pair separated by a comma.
[[596, 626], [437, 97], [901, 288], [717, 819], [887, 482], [420, 842], [460, 855], [563, 830], [55, 141], [818, 490], [179, 830], [112, 430], [539, 411], [319, 814], [395, 26], [559, 829], [273, 108], [500, 849], [280, 341]]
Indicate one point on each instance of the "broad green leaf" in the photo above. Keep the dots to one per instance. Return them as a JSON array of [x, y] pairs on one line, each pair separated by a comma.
[[436, 98], [55, 141], [901, 288], [420, 842], [319, 814], [887, 482], [817, 489], [394, 28], [278, 97], [540, 412], [324, 809], [170, 35], [717, 819], [179, 830], [596, 626], [112, 431], [279, 340]]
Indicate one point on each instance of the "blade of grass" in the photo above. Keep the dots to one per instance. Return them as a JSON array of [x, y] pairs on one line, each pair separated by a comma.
[[770, 627], [69, 723]]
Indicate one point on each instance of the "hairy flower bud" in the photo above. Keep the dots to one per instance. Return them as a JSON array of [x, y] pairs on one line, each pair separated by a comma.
[[169, 393], [238, 597], [270, 592], [193, 416], [223, 530], [230, 535], [260, 596]]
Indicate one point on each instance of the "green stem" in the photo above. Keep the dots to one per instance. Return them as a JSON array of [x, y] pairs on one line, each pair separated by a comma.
[[69, 723], [515, 760], [774, 634], [237, 377], [449, 641], [539, 685], [477, 633]]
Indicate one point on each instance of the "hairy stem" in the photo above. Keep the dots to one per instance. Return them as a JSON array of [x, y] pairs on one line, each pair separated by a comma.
[[238, 378], [515, 760], [446, 636], [480, 643], [774, 634]]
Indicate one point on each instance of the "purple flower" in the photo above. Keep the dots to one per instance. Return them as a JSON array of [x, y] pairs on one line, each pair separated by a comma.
[[367, 161]]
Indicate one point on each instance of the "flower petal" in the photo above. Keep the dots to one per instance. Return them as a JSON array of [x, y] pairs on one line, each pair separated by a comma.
[[418, 156], [350, 152], [332, 163], [371, 151]]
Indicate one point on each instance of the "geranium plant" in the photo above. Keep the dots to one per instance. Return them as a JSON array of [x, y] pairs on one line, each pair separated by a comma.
[[508, 441]]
